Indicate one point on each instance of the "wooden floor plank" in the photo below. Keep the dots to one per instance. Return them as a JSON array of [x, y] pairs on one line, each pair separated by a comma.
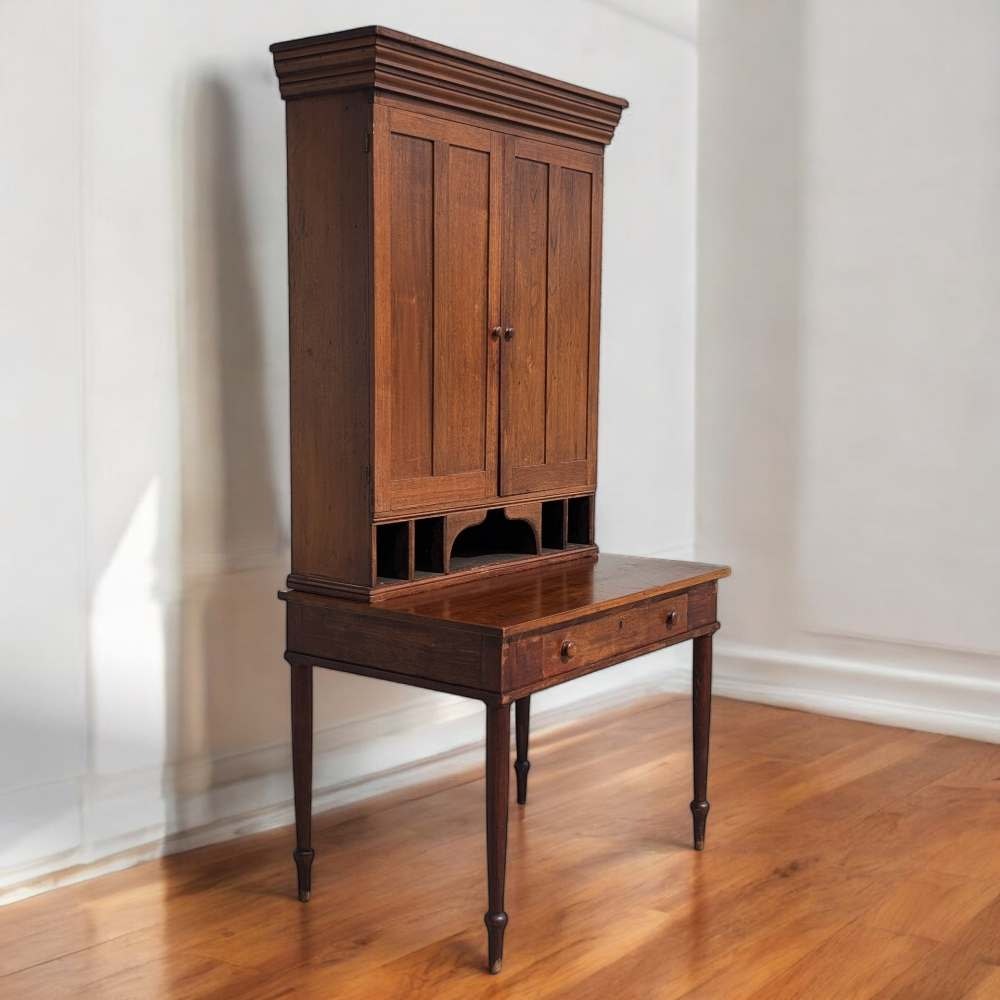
[[985, 984], [843, 860], [854, 964]]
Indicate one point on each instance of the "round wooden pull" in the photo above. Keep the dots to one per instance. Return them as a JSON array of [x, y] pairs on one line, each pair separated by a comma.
[[568, 650], [508, 334], [671, 619], [495, 332]]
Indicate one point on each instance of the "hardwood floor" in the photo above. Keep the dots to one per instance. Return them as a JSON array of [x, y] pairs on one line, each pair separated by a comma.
[[843, 860]]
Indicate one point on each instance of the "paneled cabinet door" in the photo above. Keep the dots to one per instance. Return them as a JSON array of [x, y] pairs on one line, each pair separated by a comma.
[[551, 310], [437, 246]]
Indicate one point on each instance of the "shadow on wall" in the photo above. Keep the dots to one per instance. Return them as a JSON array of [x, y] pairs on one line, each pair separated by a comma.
[[228, 690], [226, 687]]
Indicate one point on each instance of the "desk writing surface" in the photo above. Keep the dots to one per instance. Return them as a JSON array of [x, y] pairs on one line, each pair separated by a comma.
[[529, 598]]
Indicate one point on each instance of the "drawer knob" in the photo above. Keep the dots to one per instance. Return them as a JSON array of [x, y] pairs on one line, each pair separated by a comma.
[[568, 650], [671, 619]]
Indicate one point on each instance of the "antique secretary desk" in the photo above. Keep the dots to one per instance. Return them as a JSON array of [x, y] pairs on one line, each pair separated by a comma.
[[444, 217]]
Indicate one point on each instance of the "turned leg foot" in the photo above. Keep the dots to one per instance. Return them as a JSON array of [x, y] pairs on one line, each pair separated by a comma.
[[522, 715], [496, 924], [701, 713], [303, 864], [497, 793], [302, 754], [699, 810]]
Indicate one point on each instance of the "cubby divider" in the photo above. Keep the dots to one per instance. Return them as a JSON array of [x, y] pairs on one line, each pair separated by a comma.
[[443, 544]]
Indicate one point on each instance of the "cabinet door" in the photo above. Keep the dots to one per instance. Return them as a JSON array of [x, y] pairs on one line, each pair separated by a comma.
[[551, 293], [437, 245]]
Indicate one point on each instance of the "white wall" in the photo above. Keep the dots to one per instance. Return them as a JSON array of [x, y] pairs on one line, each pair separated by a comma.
[[144, 501], [849, 304]]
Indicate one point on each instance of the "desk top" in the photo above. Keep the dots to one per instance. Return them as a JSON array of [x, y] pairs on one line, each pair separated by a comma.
[[531, 598]]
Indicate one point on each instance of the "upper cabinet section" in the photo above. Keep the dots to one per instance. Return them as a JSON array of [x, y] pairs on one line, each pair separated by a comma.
[[444, 220], [394, 63]]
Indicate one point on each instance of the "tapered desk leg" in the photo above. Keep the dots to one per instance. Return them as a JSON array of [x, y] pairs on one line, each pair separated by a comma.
[[497, 792], [522, 715], [302, 765], [701, 713]]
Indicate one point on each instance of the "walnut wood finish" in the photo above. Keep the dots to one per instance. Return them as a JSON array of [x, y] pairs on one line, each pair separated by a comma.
[[524, 602], [446, 652], [456, 523], [330, 393], [522, 712], [503, 636], [589, 642], [302, 756], [552, 276], [497, 797], [847, 860], [445, 220], [499, 641], [701, 715], [395, 64], [437, 281], [445, 217]]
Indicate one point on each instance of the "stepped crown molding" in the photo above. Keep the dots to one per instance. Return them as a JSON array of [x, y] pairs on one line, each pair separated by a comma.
[[390, 62]]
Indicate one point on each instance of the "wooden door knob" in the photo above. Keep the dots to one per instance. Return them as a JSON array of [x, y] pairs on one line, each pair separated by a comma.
[[671, 619], [568, 650], [495, 332], [508, 333]]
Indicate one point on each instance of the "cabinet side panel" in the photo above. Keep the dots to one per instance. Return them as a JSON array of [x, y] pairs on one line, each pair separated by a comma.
[[330, 333]]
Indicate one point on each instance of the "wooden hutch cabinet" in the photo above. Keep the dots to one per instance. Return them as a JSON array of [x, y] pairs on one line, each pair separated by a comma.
[[445, 270], [444, 224]]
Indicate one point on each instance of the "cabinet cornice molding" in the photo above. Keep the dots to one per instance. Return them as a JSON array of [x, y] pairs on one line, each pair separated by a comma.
[[390, 62]]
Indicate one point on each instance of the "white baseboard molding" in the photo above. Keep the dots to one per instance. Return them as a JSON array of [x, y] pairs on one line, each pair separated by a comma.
[[952, 704], [132, 819]]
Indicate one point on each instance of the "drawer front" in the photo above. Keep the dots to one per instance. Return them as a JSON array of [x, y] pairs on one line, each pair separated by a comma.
[[613, 634]]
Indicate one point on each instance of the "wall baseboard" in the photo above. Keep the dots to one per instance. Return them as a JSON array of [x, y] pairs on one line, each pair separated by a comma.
[[211, 801], [952, 704]]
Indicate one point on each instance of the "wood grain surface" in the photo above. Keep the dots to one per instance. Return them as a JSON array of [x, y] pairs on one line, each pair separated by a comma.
[[845, 861], [533, 600]]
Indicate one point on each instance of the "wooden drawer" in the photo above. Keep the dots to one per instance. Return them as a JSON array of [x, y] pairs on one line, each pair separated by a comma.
[[613, 634]]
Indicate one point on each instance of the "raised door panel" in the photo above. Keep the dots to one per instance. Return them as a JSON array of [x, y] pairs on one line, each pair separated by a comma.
[[437, 191], [551, 291]]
